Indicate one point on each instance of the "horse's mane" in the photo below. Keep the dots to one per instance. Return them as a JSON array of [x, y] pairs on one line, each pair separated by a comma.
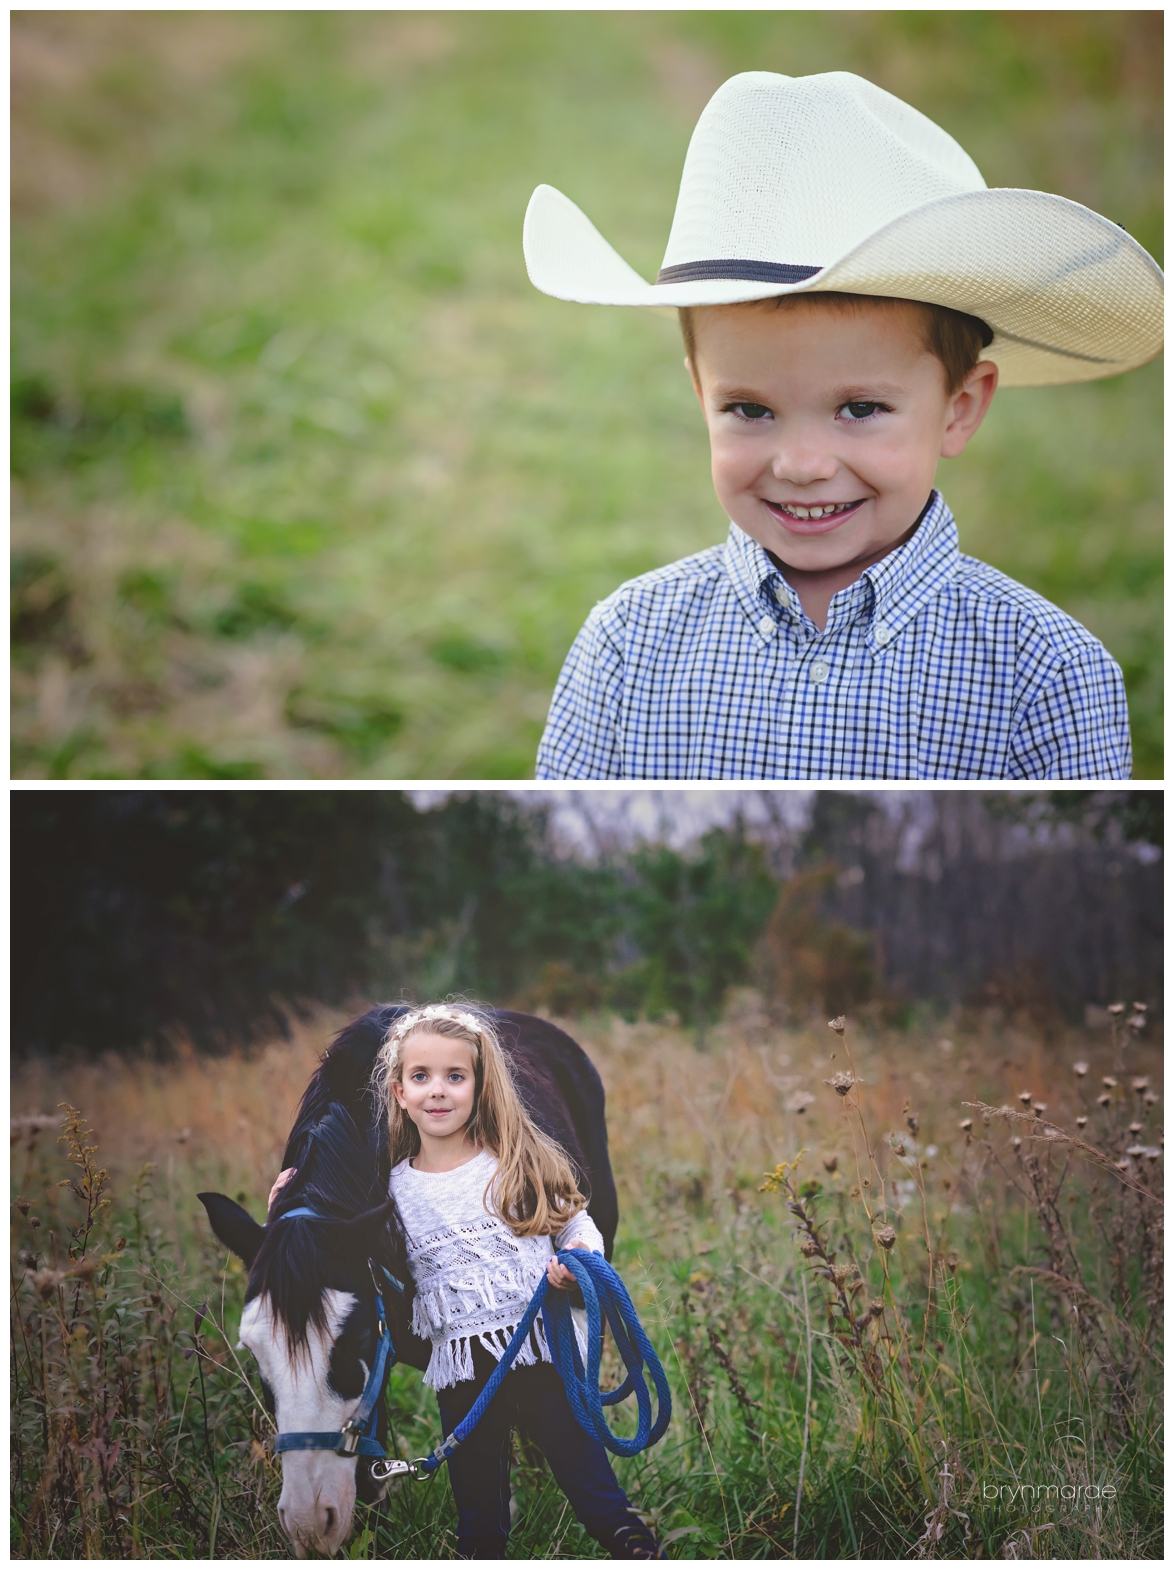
[[339, 1176], [343, 1076]]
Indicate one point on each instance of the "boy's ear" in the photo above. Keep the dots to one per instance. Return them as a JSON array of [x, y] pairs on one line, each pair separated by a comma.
[[967, 408]]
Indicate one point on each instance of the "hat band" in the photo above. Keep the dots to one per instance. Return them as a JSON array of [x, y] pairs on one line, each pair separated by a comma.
[[748, 272]]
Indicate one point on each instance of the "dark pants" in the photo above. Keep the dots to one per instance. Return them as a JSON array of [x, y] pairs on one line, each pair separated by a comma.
[[534, 1400]]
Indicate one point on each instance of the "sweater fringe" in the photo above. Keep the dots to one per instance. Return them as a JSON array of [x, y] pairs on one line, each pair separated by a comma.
[[452, 1361]]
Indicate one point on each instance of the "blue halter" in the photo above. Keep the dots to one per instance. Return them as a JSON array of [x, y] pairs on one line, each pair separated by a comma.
[[358, 1437]]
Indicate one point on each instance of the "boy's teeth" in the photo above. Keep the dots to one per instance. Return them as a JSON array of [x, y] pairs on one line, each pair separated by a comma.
[[816, 512]]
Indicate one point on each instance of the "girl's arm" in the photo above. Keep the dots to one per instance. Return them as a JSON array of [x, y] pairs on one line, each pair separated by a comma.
[[580, 1230]]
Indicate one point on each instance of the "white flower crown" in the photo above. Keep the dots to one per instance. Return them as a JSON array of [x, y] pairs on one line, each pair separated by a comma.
[[436, 1011]]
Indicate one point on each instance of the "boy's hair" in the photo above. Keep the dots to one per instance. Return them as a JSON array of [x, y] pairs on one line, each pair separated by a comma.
[[534, 1189], [952, 337]]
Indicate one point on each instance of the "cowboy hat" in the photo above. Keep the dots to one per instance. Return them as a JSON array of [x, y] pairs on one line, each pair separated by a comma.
[[805, 184]]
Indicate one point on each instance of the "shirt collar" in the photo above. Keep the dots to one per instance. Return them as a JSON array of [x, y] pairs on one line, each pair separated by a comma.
[[889, 594]]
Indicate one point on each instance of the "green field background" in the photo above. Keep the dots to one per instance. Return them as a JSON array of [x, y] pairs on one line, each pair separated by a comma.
[[311, 482]]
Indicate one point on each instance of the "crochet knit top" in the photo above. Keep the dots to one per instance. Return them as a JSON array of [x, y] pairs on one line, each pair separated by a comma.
[[474, 1278]]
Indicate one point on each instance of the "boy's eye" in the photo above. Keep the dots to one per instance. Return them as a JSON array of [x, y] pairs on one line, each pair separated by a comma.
[[748, 411], [860, 411]]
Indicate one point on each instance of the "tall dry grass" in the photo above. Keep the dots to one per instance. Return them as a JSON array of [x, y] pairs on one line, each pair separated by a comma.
[[939, 1335]]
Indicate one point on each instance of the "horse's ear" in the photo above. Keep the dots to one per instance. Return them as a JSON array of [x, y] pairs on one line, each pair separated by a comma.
[[235, 1228]]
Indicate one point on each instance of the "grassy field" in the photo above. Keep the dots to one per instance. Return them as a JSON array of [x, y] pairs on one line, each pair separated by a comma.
[[970, 1316], [311, 483]]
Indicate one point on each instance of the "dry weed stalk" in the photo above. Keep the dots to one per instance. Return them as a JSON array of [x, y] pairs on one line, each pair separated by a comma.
[[941, 1515], [1049, 1134], [1132, 1227], [911, 1381], [94, 1368], [691, 1350], [901, 1382], [741, 1395], [1021, 1544], [844, 1280]]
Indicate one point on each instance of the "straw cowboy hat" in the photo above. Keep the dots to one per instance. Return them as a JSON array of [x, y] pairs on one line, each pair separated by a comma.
[[800, 184]]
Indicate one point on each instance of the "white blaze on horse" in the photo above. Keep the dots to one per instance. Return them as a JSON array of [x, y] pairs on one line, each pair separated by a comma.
[[311, 1318], [317, 1501]]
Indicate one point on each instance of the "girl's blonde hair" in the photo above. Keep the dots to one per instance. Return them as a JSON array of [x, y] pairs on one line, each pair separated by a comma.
[[534, 1189]]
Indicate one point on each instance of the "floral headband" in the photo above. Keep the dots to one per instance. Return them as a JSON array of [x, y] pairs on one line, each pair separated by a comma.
[[435, 1011]]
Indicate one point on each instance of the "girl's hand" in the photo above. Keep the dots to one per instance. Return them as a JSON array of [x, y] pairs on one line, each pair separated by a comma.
[[558, 1275], [282, 1179]]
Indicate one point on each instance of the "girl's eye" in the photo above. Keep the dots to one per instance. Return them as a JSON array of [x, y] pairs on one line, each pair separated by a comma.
[[753, 413], [860, 411], [456, 1077]]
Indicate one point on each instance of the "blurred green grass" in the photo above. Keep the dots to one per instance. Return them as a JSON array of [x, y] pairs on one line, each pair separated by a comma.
[[311, 483]]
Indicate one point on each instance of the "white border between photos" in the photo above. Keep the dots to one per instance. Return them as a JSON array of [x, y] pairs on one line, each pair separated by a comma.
[[873, 786]]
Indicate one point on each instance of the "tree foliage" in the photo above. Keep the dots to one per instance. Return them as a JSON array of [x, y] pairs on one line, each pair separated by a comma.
[[695, 921], [144, 915], [140, 917]]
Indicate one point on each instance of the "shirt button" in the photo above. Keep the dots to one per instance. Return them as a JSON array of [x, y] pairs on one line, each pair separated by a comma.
[[820, 672], [766, 626], [883, 633]]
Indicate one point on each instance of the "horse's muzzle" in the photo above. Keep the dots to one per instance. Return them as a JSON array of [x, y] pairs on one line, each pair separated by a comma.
[[317, 1503]]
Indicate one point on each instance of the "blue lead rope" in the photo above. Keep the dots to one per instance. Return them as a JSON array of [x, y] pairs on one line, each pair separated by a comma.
[[605, 1296]]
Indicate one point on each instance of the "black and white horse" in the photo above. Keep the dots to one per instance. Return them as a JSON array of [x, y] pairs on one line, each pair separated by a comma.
[[309, 1317]]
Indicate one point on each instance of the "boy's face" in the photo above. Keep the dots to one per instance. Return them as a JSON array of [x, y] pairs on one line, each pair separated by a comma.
[[814, 406]]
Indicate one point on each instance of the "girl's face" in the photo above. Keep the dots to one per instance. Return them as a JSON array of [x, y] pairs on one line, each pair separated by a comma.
[[437, 1085]]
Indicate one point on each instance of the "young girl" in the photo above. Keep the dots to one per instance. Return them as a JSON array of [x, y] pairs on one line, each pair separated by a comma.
[[482, 1192]]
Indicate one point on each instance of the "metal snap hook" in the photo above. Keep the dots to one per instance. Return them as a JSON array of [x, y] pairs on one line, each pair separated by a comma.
[[386, 1471]]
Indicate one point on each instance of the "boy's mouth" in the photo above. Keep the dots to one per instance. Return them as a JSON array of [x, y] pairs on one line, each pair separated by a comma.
[[813, 519]]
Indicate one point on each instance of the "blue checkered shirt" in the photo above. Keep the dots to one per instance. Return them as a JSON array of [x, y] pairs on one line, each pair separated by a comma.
[[932, 666]]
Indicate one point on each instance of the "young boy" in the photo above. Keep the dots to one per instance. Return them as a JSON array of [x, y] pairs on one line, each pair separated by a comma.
[[850, 294]]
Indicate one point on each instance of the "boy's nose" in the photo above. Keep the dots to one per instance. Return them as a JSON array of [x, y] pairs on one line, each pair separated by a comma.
[[803, 461]]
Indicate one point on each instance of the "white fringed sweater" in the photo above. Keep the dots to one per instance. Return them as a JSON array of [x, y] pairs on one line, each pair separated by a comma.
[[474, 1278]]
